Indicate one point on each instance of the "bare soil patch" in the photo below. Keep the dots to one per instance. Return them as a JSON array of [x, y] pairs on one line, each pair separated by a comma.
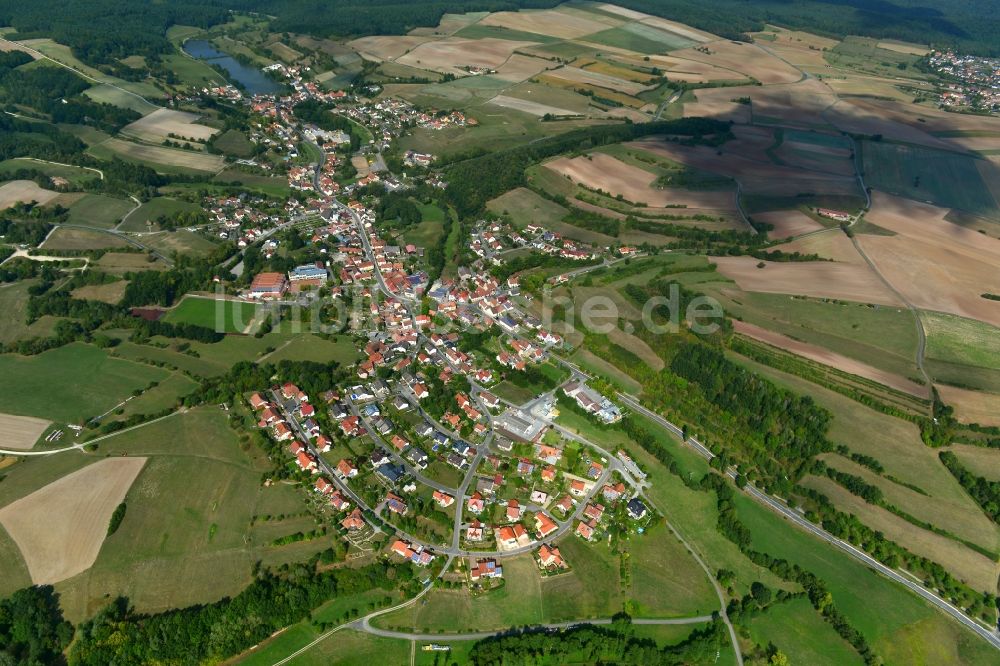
[[60, 528], [20, 432], [832, 359], [24, 191], [937, 265], [788, 223], [820, 279]]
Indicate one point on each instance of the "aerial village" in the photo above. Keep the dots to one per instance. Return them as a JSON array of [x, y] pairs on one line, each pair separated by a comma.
[[416, 454]]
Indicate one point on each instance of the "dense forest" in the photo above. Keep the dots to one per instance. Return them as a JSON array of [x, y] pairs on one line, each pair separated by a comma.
[[56, 92], [612, 644], [788, 430]]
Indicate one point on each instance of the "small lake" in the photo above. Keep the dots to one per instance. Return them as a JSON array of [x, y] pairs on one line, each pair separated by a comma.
[[253, 80]]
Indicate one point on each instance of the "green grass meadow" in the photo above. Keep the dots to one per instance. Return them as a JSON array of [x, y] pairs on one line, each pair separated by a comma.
[[219, 315], [70, 383]]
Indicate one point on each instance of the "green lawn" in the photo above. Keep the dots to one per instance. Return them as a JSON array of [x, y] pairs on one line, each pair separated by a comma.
[[164, 396], [150, 210], [802, 635], [98, 210], [308, 347], [525, 207], [959, 340], [14, 304], [896, 444], [640, 38], [901, 627], [881, 336], [219, 315], [234, 142], [70, 383], [518, 602]]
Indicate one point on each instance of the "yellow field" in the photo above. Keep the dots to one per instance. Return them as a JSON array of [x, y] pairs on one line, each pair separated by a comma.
[[20, 432], [167, 156], [60, 528], [24, 191], [164, 123]]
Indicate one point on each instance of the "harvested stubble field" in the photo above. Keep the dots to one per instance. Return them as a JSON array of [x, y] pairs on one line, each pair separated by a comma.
[[381, 47], [164, 123], [819, 279], [75, 511], [534, 108], [937, 265], [972, 406], [602, 171], [787, 223], [801, 103], [521, 67], [159, 155], [453, 53], [554, 23], [749, 60], [24, 191], [859, 116], [20, 432], [106, 293], [601, 80]]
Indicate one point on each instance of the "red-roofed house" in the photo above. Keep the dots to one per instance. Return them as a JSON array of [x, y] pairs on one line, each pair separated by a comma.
[[544, 525], [549, 557], [443, 499], [476, 503]]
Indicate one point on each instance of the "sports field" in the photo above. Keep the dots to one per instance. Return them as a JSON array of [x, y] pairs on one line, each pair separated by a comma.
[[224, 316], [70, 383]]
